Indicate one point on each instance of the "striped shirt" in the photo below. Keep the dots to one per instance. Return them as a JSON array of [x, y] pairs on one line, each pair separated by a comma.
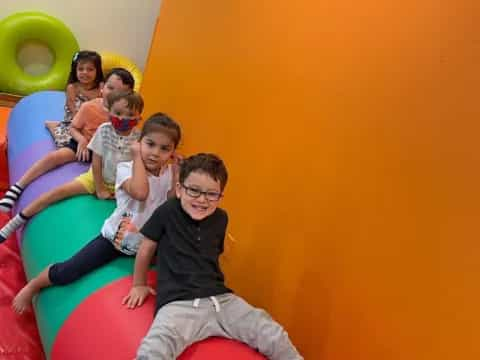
[[112, 148]]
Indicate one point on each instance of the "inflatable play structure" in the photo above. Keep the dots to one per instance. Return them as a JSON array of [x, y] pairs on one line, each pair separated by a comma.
[[84, 320], [19, 28]]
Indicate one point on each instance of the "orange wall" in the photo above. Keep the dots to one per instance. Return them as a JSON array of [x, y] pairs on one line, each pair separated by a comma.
[[350, 129]]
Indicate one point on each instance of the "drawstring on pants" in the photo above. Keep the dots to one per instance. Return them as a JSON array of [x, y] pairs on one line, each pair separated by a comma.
[[214, 300]]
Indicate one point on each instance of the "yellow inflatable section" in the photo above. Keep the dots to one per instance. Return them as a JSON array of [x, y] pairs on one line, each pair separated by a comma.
[[111, 60]]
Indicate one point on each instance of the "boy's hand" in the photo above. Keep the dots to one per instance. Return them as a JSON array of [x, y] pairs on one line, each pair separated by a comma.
[[137, 296], [82, 151], [103, 193]]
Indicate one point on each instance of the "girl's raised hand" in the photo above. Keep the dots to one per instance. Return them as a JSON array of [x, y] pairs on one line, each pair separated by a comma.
[[137, 296], [176, 161], [135, 149], [177, 158]]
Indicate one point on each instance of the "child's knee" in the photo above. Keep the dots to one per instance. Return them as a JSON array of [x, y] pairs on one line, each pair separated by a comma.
[[161, 342], [54, 157], [62, 155], [259, 324]]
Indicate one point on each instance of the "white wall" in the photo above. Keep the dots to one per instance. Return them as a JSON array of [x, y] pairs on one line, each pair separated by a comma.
[[121, 26]]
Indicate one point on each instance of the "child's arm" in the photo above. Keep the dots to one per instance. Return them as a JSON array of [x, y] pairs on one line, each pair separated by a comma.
[[137, 185], [140, 290], [78, 122], [101, 190], [71, 93]]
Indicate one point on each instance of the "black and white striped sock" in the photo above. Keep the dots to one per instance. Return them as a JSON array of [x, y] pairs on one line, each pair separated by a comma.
[[12, 195], [12, 225]]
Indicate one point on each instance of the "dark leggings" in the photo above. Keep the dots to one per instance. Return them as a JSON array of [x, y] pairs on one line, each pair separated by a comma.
[[96, 253]]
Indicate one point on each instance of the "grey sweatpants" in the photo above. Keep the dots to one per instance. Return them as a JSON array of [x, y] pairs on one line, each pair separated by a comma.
[[181, 323]]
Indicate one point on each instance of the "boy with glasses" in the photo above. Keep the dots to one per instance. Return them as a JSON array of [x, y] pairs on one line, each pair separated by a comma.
[[193, 302]]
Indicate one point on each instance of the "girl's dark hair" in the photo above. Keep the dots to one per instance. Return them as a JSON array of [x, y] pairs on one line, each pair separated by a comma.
[[162, 123], [124, 75], [86, 55], [209, 164], [133, 99]]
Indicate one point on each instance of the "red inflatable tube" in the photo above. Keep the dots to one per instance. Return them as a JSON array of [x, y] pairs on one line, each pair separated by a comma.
[[82, 337], [19, 339]]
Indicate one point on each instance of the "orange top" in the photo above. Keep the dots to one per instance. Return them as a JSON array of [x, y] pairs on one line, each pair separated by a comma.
[[89, 117]]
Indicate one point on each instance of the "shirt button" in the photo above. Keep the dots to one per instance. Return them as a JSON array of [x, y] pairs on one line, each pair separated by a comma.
[[198, 238]]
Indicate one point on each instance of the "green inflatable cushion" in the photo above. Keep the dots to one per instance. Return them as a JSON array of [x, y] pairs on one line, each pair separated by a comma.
[[54, 235]]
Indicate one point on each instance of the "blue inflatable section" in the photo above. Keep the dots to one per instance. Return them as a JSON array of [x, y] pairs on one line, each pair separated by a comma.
[[29, 141], [26, 124]]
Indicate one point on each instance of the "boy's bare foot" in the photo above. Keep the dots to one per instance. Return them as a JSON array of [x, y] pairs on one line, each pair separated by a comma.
[[23, 300]]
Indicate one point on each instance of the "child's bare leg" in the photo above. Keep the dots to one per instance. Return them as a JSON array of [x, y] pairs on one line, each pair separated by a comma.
[[96, 253], [64, 191], [24, 297], [69, 189], [51, 125], [49, 162]]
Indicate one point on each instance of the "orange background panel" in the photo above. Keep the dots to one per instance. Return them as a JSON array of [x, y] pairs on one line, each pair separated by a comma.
[[350, 129]]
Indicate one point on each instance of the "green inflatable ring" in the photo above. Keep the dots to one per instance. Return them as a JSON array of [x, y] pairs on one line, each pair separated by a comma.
[[25, 26]]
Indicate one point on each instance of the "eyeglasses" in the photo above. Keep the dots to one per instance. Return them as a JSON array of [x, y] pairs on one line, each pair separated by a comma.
[[196, 193]]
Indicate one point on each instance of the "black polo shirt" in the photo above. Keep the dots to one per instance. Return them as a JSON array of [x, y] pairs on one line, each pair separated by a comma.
[[188, 253]]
